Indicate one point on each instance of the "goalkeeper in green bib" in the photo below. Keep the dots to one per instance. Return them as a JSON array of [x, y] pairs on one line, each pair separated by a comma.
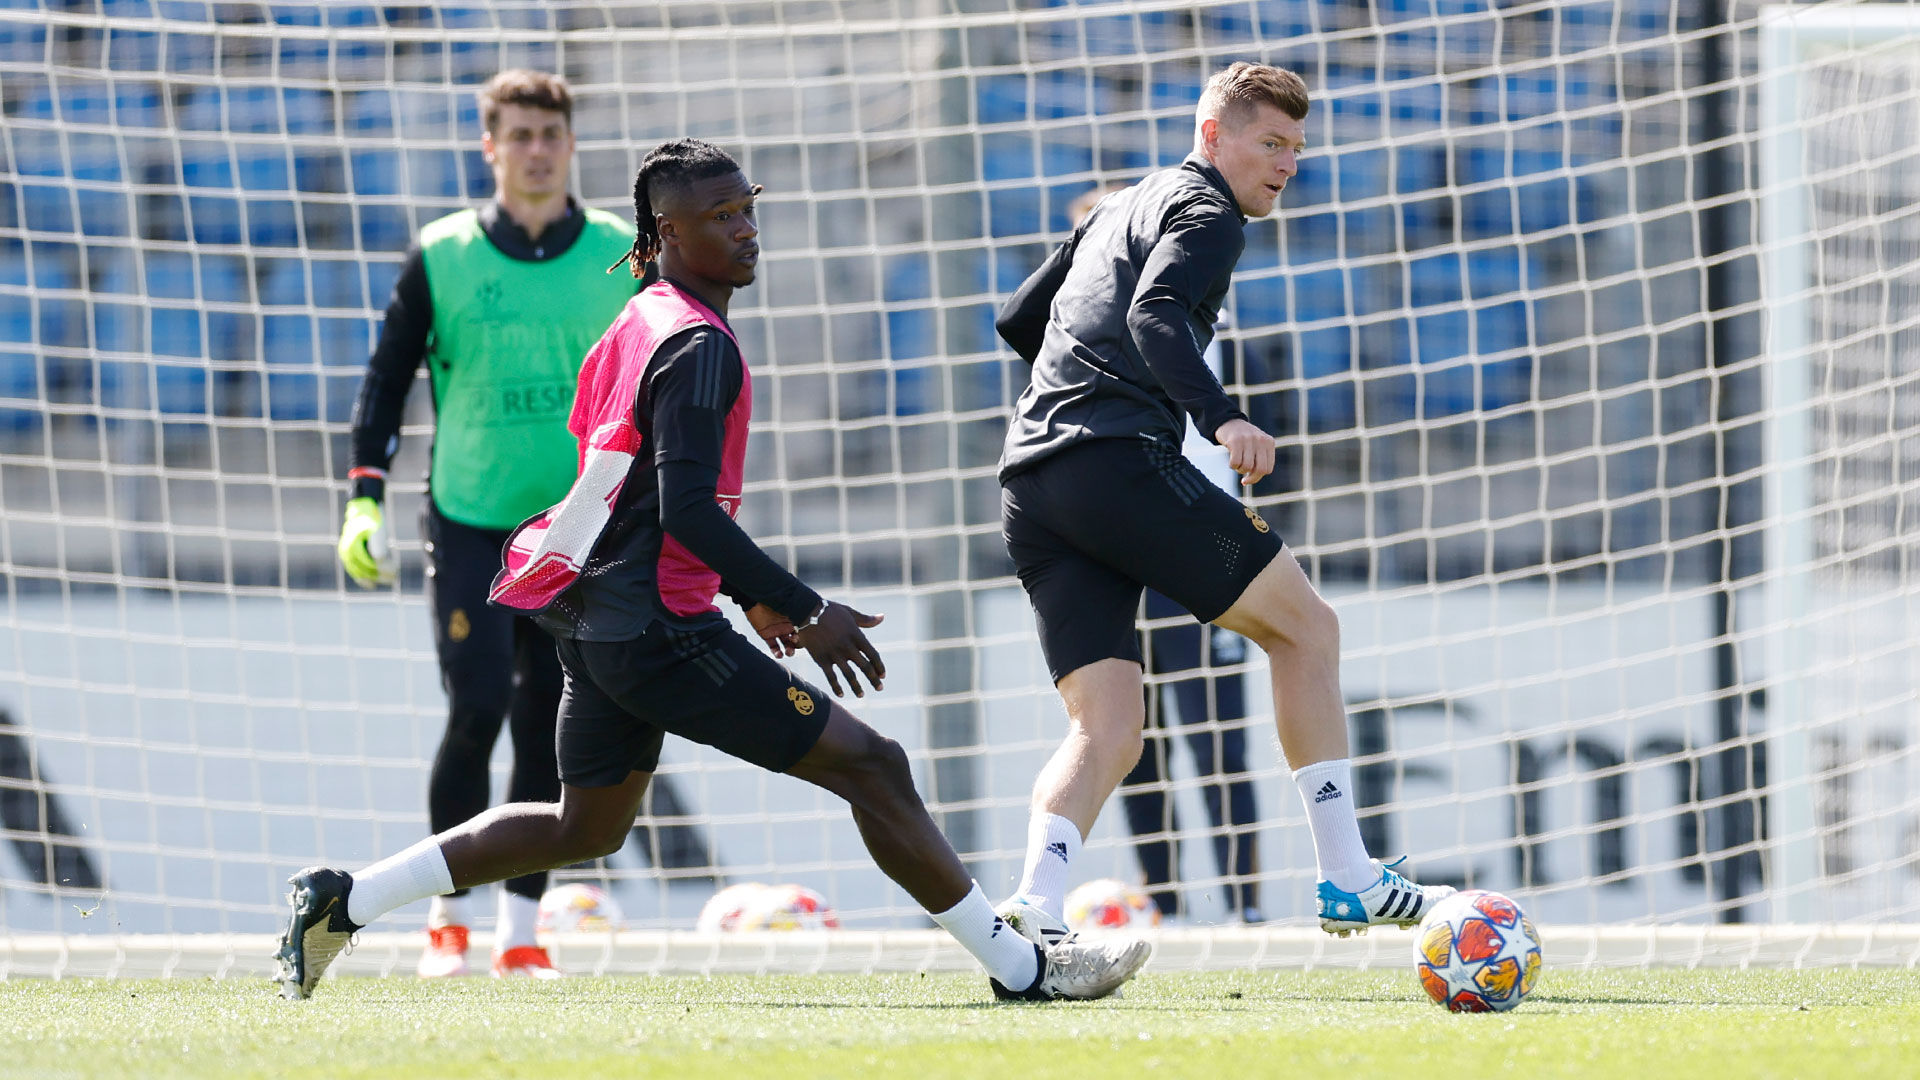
[[501, 304]]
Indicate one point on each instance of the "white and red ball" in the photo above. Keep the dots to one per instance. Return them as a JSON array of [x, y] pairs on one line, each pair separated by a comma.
[[1476, 951], [791, 907], [1110, 904], [578, 908], [730, 908]]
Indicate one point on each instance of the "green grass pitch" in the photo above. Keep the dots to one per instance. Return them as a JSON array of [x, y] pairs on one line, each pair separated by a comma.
[[1615, 1024]]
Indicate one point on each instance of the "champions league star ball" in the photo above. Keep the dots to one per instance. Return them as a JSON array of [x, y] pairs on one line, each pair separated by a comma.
[[577, 908], [730, 908], [1107, 904], [790, 907], [1477, 952]]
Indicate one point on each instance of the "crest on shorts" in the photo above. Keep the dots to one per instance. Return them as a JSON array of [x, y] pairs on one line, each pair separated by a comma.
[[802, 701], [1259, 522], [457, 625]]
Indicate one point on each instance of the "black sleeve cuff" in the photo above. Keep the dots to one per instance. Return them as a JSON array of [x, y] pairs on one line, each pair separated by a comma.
[[367, 487]]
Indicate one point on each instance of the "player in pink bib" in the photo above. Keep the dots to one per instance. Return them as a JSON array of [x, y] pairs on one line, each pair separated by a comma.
[[624, 572]]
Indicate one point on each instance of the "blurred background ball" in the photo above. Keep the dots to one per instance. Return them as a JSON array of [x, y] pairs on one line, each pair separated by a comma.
[[578, 907], [729, 908], [1110, 904], [791, 907]]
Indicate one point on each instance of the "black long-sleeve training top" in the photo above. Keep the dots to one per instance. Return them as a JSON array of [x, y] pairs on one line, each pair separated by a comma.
[[1116, 322]]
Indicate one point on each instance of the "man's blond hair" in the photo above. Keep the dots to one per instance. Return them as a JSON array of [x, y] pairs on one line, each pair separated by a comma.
[[522, 86], [1233, 95]]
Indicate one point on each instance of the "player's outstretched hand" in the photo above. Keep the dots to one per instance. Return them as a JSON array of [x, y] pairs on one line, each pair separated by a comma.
[[774, 628], [1249, 448], [838, 643]]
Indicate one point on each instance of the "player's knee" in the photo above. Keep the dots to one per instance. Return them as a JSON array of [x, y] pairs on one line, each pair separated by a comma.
[[879, 770], [1310, 624], [585, 838]]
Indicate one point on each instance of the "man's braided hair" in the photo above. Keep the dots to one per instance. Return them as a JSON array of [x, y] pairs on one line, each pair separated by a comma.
[[678, 163]]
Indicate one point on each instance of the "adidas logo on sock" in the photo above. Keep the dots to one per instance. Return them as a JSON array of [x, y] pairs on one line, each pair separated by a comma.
[[1059, 847], [1327, 791]]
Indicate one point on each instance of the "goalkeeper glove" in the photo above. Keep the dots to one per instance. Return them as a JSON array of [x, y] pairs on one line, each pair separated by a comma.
[[364, 551]]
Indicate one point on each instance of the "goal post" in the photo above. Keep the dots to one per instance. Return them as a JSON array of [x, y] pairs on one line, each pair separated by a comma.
[[1481, 325], [1839, 106]]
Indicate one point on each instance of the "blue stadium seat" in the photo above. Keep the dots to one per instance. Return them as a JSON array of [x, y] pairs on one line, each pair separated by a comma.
[[346, 340], [272, 223], [1007, 156], [16, 319], [113, 270], [103, 213], [119, 328], [292, 396], [1327, 352], [175, 331], [287, 340], [138, 103], [475, 175], [215, 219], [1060, 94], [353, 15], [198, 107], [381, 274], [263, 168], [374, 172], [253, 109], [337, 396], [1111, 35], [1319, 294], [170, 275], [180, 389], [13, 261], [23, 41], [384, 228], [55, 265], [368, 112], [309, 111], [61, 323], [431, 174], [337, 283], [47, 207], [1014, 211], [205, 164], [94, 156]]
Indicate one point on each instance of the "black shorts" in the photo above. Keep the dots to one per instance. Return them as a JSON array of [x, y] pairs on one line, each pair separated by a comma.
[[708, 684], [1089, 526]]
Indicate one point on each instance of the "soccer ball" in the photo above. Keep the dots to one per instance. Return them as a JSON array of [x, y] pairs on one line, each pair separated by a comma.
[[730, 908], [577, 908], [1477, 952], [1107, 904], [790, 907]]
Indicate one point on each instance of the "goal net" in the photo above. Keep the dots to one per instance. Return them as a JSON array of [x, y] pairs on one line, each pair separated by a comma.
[[1588, 329]]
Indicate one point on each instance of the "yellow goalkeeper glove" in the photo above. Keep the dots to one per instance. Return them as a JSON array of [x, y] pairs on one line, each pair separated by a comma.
[[364, 552]]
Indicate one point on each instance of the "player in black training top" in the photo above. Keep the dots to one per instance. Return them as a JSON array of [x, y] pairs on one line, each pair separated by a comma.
[[1098, 500], [662, 417]]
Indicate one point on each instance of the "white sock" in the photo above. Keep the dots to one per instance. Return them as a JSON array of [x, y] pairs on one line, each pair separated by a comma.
[[449, 911], [414, 874], [1005, 954], [517, 916], [1052, 843], [1326, 788]]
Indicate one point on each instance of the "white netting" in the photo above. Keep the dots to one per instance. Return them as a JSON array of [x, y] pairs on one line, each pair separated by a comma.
[[1510, 321]]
